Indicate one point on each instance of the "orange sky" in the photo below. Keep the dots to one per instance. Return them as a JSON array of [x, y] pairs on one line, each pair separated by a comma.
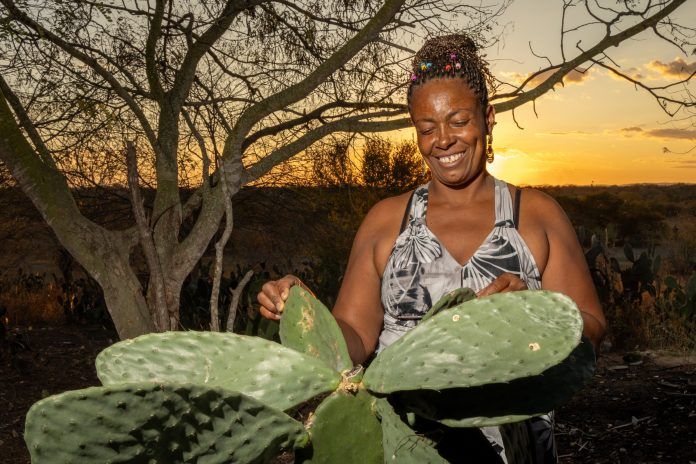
[[596, 129]]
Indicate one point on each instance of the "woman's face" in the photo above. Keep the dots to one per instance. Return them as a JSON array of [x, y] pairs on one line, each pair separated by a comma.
[[451, 129]]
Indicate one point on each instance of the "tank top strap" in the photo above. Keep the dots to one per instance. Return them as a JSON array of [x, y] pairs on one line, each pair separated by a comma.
[[504, 208]]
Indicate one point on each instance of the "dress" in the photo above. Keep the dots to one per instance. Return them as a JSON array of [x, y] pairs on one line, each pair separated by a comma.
[[420, 271]]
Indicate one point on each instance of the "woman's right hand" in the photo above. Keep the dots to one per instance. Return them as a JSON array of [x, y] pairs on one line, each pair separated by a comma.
[[273, 295]]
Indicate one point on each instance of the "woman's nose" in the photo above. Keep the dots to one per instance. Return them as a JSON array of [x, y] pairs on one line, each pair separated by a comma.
[[445, 139]]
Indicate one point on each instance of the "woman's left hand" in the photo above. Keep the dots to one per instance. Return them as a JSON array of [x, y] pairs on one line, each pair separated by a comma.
[[505, 282]]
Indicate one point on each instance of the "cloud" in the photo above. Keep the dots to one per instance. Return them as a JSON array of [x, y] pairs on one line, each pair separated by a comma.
[[688, 164], [670, 133], [577, 132], [675, 68], [633, 73], [576, 76]]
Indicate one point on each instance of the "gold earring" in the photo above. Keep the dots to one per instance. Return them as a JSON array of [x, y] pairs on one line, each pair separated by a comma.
[[489, 148]]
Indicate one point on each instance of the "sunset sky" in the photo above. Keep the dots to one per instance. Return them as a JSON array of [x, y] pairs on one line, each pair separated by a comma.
[[599, 129]]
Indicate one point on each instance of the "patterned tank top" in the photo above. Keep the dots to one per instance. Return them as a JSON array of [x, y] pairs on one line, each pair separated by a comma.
[[420, 270]]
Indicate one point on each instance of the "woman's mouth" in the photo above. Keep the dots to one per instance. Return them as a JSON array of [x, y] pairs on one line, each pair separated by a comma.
[[450, 160]]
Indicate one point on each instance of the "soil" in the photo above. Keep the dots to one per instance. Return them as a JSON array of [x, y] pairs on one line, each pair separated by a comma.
[[640, 408]]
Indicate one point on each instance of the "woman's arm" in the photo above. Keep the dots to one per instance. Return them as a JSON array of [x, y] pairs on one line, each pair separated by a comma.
[[566, 269], [358, 308]]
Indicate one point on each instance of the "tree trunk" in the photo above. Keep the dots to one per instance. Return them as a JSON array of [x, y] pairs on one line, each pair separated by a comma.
[[104, 254]]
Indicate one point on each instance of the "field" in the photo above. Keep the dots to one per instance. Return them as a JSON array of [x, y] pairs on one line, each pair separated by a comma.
[[640, 407]]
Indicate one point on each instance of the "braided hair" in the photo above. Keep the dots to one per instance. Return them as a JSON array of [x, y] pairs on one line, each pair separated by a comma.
[[451, 56]]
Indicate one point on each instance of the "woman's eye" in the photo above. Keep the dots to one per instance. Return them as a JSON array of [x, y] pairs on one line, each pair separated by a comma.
[[426, 131], [461, 123]]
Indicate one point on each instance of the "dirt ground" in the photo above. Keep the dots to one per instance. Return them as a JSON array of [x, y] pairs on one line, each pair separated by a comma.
[[640, 408]]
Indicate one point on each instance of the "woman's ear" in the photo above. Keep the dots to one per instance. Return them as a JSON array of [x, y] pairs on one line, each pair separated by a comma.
[[490, 118]]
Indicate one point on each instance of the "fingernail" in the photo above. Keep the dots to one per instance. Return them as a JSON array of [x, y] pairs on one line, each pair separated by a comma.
[[277, 317], [284, 295], [279, 306]]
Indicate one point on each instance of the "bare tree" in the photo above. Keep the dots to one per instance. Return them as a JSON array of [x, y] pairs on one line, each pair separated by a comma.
[[253, 83]]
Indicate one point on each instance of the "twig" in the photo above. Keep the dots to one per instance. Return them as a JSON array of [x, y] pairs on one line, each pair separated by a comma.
[[147, 241], [236, 294], [633, 422], [219, 249]]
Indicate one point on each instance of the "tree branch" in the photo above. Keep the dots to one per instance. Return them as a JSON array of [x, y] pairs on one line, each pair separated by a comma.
[[298, 91], [89, 61], [147, 242], [520, 97], [351, 124]]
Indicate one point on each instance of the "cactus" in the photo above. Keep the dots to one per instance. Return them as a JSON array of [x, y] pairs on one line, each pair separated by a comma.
[[490, 340], [148, 422], [470, 363], [226, 360], [344, 425], [401, 444], [308, 327], [449, 300], [503, 403]]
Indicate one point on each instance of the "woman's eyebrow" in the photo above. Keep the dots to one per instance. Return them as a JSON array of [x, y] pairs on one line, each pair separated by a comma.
[[450, 115]]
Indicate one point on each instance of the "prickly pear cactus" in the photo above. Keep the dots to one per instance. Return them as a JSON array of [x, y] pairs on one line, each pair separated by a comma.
[[280, 377], [344, 428], [449, 300], [401, 444], [508, 402], [489, 340], [148, 422], [470, 363], [308, 327]]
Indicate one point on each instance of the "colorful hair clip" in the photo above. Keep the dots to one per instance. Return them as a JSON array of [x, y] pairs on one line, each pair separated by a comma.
[[457, 65], [423, 66], [453, 56], [429, 65], [448, 67], [414, 78]]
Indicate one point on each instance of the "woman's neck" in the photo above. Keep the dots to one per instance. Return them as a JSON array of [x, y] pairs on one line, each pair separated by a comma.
[[459, 195]]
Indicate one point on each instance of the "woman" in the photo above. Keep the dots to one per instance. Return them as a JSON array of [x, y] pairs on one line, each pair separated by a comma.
[[463, 229]]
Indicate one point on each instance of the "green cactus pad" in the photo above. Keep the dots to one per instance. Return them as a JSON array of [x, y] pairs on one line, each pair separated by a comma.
[[450, 300], [502, 403], [279, 376], [152, 423], [489, 340], [308, 327], [344, 429], [401, 444]]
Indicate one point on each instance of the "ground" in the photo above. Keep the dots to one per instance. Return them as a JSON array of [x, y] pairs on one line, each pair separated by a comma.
[[640, 408]]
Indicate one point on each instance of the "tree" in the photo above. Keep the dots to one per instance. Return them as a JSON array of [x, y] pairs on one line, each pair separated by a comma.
[[231, 88], [395, 167]]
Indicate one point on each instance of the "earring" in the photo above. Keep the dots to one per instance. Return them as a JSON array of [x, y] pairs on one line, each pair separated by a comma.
[[489, 148]]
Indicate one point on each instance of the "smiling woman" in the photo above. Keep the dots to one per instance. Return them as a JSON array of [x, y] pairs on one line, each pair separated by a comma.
[[464, 228]]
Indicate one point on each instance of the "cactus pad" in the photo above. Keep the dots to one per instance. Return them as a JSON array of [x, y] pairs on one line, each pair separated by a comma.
[[308, 327], [489, 340], [450, 300], [153, 423], [344, 429], [503, 403], [278, 376], [401, 443]]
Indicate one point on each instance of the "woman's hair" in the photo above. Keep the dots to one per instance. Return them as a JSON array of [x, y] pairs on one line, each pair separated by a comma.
[[451, 56]]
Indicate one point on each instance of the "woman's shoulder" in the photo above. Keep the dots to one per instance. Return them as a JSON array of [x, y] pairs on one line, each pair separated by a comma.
[[388, 212], [542, 210]]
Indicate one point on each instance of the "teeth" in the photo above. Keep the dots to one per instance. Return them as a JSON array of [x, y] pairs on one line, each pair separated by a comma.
[[451, 158]]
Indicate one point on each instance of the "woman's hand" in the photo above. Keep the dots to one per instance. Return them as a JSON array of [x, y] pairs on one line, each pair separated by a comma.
[[505, 282], [273, 295]]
